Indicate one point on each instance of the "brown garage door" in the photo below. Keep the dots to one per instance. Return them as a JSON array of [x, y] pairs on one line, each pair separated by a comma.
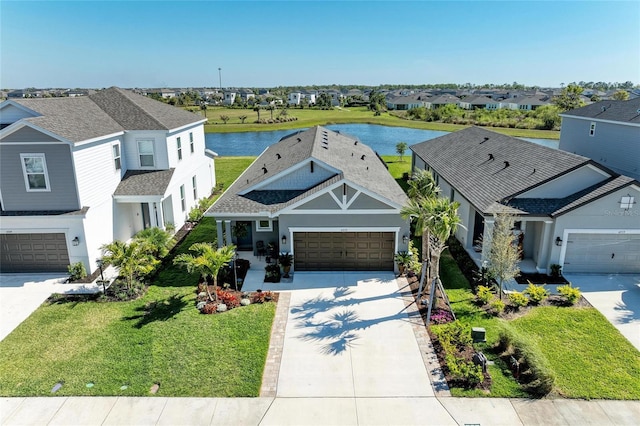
[[343, 251], [33, 253]]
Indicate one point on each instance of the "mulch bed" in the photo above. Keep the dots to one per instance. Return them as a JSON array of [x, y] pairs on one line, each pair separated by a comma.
[[540, 279]]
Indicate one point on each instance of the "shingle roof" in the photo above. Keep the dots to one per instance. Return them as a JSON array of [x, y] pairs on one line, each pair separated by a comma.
[[559, 206], [144, 182], [337, 151], [105, 112], [621, 111], [463, 159]]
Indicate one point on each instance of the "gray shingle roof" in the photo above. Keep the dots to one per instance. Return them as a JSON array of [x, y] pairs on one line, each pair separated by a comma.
[[335, 150], [144, 182], [621, 111], [105, 112], [463, 159]]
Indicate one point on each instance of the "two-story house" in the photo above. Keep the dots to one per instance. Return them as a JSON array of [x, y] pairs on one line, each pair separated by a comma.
[[607, 132], [76, 173]]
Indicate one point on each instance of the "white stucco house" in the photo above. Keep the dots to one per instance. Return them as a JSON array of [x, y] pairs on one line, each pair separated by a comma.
[[570, 210], [76, 173]]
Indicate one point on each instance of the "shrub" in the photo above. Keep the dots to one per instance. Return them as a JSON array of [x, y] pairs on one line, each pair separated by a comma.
[[454, 336], [536, 293], [518, 299], [77, 271], [462, 369], [209, 308], [201, 305], [555, 270], [228, 298], [497, 306], [484, 294], [536, 374], [571, 294], [441, 316]]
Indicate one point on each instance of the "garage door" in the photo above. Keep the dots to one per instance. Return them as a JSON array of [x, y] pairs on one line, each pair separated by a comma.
[[343, 251], [33, 253], [603, 253]]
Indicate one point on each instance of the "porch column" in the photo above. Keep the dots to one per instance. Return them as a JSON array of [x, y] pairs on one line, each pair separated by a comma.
[[219, 233], [543, 254], [157, 208], [227, 230], [487, 237]]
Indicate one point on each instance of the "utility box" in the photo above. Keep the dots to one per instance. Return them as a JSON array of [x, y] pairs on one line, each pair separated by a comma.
[[478, 335]]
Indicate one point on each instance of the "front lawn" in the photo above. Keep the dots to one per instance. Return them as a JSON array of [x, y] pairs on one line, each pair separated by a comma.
[[588, 355]]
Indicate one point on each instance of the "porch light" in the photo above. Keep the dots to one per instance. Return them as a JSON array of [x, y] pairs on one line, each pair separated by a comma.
[[405, 239], [284, 240], [559, 241], [75, 241]]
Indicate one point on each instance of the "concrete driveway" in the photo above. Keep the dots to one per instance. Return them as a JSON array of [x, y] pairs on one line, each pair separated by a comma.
[[21, 294], [617, 297], [348, 335]]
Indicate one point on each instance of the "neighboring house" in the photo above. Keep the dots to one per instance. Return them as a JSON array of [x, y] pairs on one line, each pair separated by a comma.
[[404, 103], [608, 132], [442, 100], [476, 102], [76, 173], [570, 210], [324, 197], [229, 98]]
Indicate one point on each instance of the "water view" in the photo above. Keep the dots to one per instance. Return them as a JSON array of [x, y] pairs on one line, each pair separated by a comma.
[[382, 139]]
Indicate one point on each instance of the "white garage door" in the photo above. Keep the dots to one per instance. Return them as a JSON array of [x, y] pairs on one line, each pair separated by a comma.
[[33, 253], [603, 253]]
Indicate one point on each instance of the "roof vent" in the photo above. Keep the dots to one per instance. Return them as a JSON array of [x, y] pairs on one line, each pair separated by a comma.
[[278, 156], [506, 164], [362, 158], [264, 169], [486, 138], [603, 108], [491, 158], [299, 140]]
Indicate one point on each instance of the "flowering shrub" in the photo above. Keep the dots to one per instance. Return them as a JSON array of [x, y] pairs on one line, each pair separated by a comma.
[[440, 316], [209, 308], [261, 297], [228, 298], [536, 293]]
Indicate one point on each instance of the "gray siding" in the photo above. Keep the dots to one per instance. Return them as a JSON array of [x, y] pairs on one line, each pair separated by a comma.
[[63, 194], [27, 134], [613, 145]]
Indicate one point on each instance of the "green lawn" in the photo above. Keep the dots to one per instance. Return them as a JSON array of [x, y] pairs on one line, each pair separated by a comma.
[[589, 356], [160, 338], [314, 117]]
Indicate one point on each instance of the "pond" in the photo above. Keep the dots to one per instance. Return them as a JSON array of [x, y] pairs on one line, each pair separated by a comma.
[[382, 139]]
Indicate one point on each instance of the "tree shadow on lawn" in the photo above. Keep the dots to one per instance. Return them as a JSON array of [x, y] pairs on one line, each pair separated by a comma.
[[162, 310], [341, 329]]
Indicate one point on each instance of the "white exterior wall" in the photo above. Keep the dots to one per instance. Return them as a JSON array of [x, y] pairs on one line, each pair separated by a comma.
[[294, 98], [96, 175], [130, 151], [568, 184]]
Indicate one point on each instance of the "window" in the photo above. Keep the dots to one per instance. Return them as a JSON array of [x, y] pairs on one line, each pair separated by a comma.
[[264, 225], [183, 202], [191, 142], [627, 202], [592, 129], [195, 187], [34, 168], [116, 157], [145, 151], [453, 195], [179, 145]]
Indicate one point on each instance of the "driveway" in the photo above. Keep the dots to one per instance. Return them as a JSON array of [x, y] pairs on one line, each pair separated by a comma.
[[348, 335], [617, 297], [21, 294]]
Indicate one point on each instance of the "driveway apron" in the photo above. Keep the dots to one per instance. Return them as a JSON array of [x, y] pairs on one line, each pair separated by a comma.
[[348, 335]]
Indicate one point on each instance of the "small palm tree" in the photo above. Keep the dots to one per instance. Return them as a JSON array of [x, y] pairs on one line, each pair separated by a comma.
[[133, 260], [257, 109], [158, 239], [443, 221], [242, 118], [207, 262]]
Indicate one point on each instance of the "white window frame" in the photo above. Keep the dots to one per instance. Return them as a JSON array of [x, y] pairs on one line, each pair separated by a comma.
[[191, 144], [183, 201], [26, 174], [592, 129], [117, 156], [153, 154], [179, 147], [627, 202], [194, 182], [260, 228]]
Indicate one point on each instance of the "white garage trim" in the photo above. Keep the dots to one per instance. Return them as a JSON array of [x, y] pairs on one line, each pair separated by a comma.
[[565, 237]]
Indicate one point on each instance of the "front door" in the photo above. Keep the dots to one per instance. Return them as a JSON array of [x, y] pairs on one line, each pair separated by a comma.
[[242, 232], [146, 219]]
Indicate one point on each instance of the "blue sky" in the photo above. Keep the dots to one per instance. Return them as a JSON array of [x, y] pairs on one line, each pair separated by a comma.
[[267, 43]]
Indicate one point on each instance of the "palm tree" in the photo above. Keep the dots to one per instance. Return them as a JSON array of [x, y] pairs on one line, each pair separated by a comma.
[[207, 262], [257, 109], [422, 188], [133, 260], [443, 221], [158, 239]]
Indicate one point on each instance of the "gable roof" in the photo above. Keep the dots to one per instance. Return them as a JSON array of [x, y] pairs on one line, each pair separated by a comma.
[[351, 160], [463, 159], [621, 111], [103, 113]]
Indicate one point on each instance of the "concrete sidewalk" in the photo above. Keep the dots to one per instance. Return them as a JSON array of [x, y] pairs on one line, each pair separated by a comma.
[[313, 411]]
